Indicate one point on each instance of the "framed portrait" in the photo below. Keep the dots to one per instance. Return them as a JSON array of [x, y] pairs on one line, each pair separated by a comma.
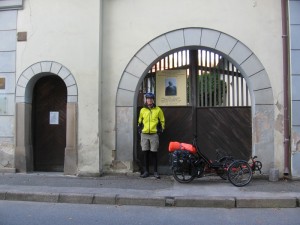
[[171, 88]]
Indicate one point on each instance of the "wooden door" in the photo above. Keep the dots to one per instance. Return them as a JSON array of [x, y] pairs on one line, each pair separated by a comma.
[[49, 124]]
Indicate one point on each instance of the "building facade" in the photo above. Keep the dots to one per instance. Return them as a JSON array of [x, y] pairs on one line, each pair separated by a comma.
[[94, 57]]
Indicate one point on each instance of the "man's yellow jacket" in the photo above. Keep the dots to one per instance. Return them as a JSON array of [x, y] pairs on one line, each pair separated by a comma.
[[151, 120]]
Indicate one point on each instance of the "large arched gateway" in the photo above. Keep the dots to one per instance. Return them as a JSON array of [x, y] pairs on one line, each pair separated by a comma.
[[202, 94], [262, 103]]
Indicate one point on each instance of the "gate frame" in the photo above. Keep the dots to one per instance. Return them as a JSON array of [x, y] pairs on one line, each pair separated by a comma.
[[24, 92], [262, 100]]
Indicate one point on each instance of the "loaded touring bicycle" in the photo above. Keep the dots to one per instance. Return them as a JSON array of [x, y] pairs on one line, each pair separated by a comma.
[[188, 162]]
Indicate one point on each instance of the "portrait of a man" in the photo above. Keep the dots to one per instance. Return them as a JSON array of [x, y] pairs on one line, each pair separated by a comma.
[[171, 89]]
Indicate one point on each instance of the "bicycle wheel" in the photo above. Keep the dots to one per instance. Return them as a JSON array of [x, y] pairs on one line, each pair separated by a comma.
[[183, 176], [258, 166], [222, 171], [239, 173]]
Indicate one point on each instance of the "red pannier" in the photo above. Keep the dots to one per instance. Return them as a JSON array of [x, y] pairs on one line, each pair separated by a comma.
[[174, 145]]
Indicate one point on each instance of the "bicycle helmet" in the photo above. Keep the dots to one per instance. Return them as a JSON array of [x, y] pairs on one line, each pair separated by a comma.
[[150, 95]]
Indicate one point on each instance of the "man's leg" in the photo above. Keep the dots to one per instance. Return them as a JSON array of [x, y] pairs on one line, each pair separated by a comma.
[[154, 143], [146, 163], [154, 161], [146, 151]]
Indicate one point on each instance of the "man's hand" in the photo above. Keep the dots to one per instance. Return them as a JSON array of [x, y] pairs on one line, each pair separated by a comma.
[[159, 132], [140, 128]]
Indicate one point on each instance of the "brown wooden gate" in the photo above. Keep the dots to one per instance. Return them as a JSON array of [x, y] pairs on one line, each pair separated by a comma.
[[227, 128], [49, 124]]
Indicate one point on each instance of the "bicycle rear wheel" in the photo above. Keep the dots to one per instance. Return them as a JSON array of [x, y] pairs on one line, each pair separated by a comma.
[[239, 173], [183, 176]]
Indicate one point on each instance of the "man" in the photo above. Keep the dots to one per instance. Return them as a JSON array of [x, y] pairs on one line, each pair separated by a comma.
[[151, 123]]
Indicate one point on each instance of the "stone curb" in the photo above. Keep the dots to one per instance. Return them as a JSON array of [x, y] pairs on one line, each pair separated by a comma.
[[267, 202], [139, 200], [177, 201], [76, 198], [105, 199], [33, 197], [209, 202], [2, 195]]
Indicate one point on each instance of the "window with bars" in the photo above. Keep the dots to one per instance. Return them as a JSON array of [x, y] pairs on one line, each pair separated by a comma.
[[218, 81]]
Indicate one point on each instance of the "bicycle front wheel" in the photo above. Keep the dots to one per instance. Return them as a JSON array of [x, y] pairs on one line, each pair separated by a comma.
[[183, 176], [239, 173]]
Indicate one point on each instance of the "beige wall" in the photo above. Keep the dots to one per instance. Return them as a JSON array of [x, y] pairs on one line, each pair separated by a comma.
[[130, 24], [67, 32]]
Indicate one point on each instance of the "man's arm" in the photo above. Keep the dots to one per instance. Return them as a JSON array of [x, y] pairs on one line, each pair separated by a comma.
[[140, 120], [162, 119]]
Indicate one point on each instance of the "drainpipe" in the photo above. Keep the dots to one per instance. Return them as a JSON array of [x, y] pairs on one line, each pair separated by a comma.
[[285, 88], [100, 49]]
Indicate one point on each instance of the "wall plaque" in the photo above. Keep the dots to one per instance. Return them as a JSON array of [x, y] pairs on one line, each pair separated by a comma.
[[22, 36], [54, 118], [171, 88], [2, 83]]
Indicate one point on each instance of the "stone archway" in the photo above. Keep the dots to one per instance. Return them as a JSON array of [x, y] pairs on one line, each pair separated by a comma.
[[24, 90], [246, 61]]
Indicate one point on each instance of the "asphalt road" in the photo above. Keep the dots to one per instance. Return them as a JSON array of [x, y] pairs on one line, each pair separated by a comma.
[[25, 213]]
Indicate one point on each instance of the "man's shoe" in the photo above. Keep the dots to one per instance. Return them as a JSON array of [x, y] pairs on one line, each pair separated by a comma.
[[156, 175], [145, 174]]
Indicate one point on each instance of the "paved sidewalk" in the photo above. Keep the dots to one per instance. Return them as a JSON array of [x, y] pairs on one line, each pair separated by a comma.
[[130, 189]]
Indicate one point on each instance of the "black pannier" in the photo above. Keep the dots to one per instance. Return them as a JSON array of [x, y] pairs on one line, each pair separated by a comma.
[[181, 160]]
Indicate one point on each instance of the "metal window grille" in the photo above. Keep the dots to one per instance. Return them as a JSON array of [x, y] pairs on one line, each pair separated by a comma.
[[219, 82]]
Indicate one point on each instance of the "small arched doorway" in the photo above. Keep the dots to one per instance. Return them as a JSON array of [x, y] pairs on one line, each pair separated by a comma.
[[24, 153], [49, 124]]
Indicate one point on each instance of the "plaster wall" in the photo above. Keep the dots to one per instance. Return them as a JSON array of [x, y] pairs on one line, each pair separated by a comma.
[[128, 25], [8, 27], [67, 32]]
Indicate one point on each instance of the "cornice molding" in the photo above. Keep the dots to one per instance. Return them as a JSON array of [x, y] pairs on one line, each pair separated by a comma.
[[11, 4]]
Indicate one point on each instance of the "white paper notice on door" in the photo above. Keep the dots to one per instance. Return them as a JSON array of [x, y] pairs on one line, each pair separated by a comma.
[[54, 118]]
